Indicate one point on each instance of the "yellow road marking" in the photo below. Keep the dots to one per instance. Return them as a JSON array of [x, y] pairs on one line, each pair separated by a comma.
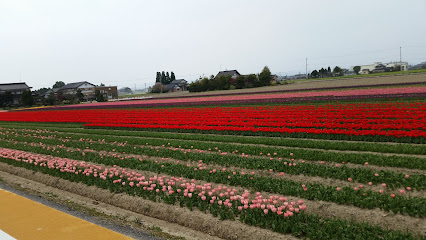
[[23, 219]]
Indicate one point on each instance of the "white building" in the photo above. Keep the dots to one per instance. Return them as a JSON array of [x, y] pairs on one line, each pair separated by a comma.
[[403, 65], [365, 69]]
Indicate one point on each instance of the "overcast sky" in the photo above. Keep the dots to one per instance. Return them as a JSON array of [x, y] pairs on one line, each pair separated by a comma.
[[126, 42]]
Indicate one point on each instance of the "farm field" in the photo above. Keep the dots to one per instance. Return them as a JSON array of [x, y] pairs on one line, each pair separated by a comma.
[[323, 170]]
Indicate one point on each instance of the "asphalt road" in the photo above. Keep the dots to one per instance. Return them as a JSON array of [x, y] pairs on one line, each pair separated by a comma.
[[124, 230]]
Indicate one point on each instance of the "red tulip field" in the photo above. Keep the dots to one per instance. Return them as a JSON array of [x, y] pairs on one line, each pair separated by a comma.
[[325, 170]]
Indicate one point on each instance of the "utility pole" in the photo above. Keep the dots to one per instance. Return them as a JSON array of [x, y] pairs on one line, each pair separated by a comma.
[[400, 54], [306, 68], [135, 87], [145, 87]]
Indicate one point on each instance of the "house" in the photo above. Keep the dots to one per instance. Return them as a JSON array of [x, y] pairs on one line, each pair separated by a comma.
[[400, 66], [274, 79], [87, 89], [418, 66], [15, 89], [125, 91], [347, 72], [233, 73], [364, 71], [297, 76], [177, 85], [380, 67], [109, 92], [54, 90]]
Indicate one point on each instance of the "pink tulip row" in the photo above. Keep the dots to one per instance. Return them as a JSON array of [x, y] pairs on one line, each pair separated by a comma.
[[222, 195], [337, 93], [200, 165]]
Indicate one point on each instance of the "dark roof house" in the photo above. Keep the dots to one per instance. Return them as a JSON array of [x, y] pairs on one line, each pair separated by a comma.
[[177, 85], [74, 85], [86, 88], [233, 73], [15, 89], [11, 87], [54, 90]]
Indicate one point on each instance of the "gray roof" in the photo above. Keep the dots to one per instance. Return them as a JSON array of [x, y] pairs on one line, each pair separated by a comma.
[[228, 72], [54, 90], [74, 85], [178, 81], [13, 86]]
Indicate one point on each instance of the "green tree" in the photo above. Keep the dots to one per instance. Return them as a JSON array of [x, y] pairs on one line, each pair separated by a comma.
[[167, 78], [27, 98], [59, 96], [99, 96], [251, 81], [357, 69], [337, 71], [102, 85], [240, 83], [163, 77], [79, 95], [158, 77], [223, 82], [265, 77], [42, 91], [329, 69], [159, 88], [58, 84], [6, 99], [51, 99], [172, 76], [314, 74]]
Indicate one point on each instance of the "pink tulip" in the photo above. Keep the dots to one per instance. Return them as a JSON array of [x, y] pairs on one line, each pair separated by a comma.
[[392, 195], [265, 211], [408, 188], [370, 183], [407, 176], [350, 179], [338, 189]]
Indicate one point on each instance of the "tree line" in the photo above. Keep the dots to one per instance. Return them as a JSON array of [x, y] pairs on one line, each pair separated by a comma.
[[227, 82], [164, 77], [29, 98], [326, 72]]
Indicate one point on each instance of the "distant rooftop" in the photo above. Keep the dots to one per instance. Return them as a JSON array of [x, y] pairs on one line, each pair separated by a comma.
[[13, 86], [74, 85], [228, 72]]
